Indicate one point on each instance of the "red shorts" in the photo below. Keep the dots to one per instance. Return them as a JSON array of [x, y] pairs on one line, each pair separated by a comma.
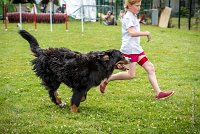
[[134, 57]]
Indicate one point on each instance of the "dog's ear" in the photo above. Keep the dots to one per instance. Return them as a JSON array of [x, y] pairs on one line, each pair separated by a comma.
[[106, 57]]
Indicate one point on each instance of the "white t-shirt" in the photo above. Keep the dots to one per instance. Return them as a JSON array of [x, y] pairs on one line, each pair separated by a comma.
[[130, 45]]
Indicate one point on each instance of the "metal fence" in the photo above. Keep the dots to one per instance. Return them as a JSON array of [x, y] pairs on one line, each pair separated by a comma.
[[185, 13]]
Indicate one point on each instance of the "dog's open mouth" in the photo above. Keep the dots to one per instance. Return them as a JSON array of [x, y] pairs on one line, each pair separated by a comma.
[[121, 64]]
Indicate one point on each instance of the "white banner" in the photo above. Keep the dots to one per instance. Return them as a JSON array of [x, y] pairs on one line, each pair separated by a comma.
[[74, 9]]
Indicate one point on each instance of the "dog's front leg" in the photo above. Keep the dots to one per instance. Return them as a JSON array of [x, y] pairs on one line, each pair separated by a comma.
[[84, 97], [76, 99], [52, 87], [58, 100]]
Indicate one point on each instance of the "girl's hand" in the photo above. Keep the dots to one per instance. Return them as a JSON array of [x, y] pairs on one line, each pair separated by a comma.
[[148, 36]]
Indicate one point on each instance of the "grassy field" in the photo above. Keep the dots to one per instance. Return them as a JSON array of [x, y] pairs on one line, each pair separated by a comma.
[[127, 106]]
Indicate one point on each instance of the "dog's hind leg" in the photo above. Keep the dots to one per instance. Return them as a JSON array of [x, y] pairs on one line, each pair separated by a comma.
[[77, 97]]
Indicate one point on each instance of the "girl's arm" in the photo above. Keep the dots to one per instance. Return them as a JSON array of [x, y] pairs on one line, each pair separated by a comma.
[[136, 34]]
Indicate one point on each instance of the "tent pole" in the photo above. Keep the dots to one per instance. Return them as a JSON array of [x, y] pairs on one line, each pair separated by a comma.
[[20, 16], [50, 16], [82, 15], [66, 19]]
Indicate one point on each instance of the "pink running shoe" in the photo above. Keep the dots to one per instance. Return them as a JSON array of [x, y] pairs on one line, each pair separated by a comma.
[[102, 86], [164, 95]]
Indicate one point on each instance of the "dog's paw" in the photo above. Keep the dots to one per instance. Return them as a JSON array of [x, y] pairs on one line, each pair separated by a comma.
[[74, 108], [62, 105]]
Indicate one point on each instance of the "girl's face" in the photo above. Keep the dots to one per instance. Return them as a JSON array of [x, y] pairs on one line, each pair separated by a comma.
[[135, 8]]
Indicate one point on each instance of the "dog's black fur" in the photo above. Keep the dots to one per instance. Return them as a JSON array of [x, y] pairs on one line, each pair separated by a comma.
[[78, 71]]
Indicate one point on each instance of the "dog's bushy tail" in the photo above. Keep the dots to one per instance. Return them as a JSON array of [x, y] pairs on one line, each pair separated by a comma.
[[32, 41]]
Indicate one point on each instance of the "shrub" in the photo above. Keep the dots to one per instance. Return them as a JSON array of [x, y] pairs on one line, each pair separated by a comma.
[[184, 11]]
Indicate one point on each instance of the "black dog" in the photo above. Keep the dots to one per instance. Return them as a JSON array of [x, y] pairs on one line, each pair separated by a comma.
[[79, 71]]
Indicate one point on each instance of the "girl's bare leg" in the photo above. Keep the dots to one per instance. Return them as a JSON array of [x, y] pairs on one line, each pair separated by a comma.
[[130, 74], [148, 66]]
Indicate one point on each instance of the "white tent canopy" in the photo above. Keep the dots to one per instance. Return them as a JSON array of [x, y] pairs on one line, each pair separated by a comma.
[[74, 9]]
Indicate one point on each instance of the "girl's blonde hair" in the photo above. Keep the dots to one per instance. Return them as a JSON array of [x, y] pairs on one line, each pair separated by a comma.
[[130, 2]]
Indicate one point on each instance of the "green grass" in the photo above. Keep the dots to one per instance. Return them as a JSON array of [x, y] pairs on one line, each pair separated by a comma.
[[126, 107]]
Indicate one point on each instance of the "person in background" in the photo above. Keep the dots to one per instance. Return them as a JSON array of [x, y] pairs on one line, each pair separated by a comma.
[[109, 19], [121, 15], [131, 48]]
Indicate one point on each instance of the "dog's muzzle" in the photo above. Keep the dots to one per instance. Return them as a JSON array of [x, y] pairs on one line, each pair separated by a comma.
[[128, 60], [125, 61]]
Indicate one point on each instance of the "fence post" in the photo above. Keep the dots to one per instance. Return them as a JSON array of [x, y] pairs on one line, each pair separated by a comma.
[[116, 11], [5, 21], [160, 3], [2, 4], [34, 16], [190, 14], [101, 10], [53, 11], [145, 4]]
